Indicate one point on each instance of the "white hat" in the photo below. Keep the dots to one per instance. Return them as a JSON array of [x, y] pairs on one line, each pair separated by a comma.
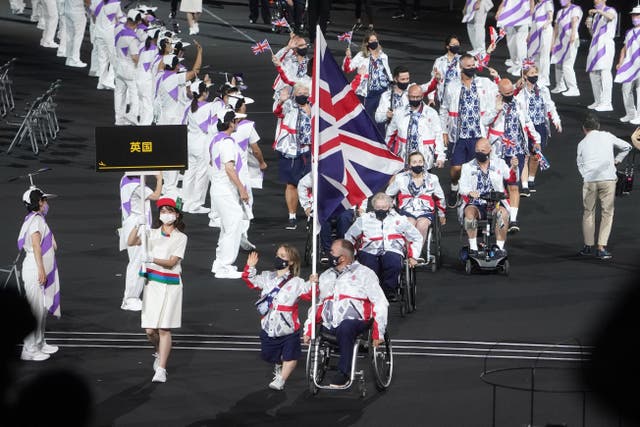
[[133, 14], [195, 86], [147, 9], [184, 44], [223, 114], [234, 98], [26, 197], [151, 30], [168, 59], [635, 10]]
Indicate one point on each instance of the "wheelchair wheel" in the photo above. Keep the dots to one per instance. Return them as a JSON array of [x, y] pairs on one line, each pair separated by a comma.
[[437, 245], [308, 245], [413, 289], [506, 267], [382, 363], [410, 287], [316, 356], [468, 267]]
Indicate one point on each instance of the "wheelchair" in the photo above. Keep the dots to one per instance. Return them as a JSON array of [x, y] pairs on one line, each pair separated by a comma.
[[408, 289], [279, 9], [432, 249], [488, 257], [322, 357]]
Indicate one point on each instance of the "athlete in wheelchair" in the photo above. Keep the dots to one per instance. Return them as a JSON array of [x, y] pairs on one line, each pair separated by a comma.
[[351, 315], [484, 207], [384, 239], [333, 228], [419, 197]]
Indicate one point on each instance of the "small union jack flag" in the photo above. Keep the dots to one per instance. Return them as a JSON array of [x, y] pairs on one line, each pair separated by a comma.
[[483, 60], [528, 63], [261, 47], [543, 163], [496, 36], [345, 37], [282, 22]]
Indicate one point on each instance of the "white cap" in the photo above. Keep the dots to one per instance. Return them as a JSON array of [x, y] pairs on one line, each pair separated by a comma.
[[635, 10], [151, 30], [133, 13], [147, 9], [26, 197], [224, 113], [168, 59], [184, 44], [235, 97], [195, 86]]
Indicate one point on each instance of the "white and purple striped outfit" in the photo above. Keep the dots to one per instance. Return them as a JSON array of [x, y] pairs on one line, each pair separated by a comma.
[[539, 48], [246, 135], [600, 57], [45, 298], [144, 81], [563, 52], [515, 18], [127, 47], [629, 72], [105, 13], [476, 20]]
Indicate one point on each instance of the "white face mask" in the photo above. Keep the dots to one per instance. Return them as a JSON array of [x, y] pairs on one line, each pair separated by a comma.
[[167, 218]]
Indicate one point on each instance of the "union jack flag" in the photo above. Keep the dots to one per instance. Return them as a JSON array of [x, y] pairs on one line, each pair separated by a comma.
[[282, 22], [353, 161], [345, 37], [482, 59], [543, 163], [496, 36], [528, 63], [261, 47]]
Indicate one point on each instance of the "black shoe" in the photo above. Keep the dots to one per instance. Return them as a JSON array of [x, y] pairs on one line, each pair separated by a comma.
[[391, 294], [415, 17], [603, 254], [339, 380], [532, 187], [452, 199], [292, 224], [586, 251], [397, 15], [525, 192], [513, 227]]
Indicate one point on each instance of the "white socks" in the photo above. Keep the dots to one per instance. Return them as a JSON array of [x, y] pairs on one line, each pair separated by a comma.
[[513, 214], [500, 244], [292, 216], [454, 187], [473, 244]]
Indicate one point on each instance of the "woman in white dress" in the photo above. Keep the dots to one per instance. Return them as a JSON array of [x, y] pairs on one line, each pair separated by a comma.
[[193, 8], [162, 295]]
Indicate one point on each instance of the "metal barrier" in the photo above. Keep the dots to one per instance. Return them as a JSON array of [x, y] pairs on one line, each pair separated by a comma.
[[40, 123], [6, 91]]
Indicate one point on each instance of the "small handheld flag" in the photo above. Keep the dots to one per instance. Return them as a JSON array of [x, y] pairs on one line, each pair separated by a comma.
[[543, 163], [496, 36], [282, 22], [261, 47], [528, 63], [346, 37]]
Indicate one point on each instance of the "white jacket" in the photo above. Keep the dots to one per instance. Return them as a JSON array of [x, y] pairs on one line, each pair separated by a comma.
[[354, 293], [550, 111], [282, 318], [499, 145], [499, 172], [385, 103], [429, 196], [305, 192], [442, 65], [430, 142], [287, 132], [351, 65], [449, 114], [394, 234]]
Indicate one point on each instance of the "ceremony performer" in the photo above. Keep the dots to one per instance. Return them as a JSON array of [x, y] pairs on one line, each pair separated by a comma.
[[566, 41], [280, 289], [515, 17], [39, 272], [162, 296], [628, 70], [474, 15], [540, 37], [602, 23]]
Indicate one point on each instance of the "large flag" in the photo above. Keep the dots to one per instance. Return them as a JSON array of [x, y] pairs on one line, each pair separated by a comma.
[[353, 161]]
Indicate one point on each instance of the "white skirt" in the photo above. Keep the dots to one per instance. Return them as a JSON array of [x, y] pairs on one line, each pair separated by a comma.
[[161, 306], [193, 6]]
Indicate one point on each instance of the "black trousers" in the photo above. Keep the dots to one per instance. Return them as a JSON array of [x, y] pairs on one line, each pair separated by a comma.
[[254, 10], [318, 15], [402, 5]]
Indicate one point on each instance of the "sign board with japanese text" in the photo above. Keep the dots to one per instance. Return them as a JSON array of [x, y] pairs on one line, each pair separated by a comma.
[[141, 148]]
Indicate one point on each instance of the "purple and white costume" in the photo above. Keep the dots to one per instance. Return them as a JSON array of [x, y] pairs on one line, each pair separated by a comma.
[[563, 52], [629, 73], [600, 57], [515, 18], [476, 20], [539, 48]]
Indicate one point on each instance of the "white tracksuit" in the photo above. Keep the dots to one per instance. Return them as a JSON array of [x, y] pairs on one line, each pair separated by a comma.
[[476, 20], [515, 18], [127, 47], [75, 22], [563, 52], [629, 73], [540, 38], [600, 57], [106, 15], [428, 197], [50, 13], [145, 82]]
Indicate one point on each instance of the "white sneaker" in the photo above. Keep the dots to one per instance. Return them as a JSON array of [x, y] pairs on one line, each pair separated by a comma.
[[200, 210], [61, 52], [52, 45], [604, 107], [593, 106], [132, 304], [196, 28], [49, 349], [515, 71], [160, 375], [635, 121], [277, 383], [625, 119], [558, 89], [509, 63], [34, 356], [156, 361], [227, 272], [214, 223], [571, 92], [40, 25], [76, 64]]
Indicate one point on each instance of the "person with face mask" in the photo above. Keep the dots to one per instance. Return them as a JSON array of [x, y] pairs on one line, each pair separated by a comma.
[[376, 63], [418, 194], [515, 17], [291, 62], [474, 15], [230, 196], [417, 127], [162, 296], [468, 107], [602, 24], [280, 290], [540, 35], [628, 70], [131, 208], [293, 144], [540, 109], [385, 238], [39, 272], [446, 68], [509, 133], [349, 297], [566, 41], [484, 174], [395, 97]]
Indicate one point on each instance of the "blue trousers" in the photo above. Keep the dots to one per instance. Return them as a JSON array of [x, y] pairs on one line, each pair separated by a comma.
[[343, 221], [346, 334], [387, 267]]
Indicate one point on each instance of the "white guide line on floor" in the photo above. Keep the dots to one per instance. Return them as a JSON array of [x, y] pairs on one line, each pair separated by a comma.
[[402, 347], [242, 33]]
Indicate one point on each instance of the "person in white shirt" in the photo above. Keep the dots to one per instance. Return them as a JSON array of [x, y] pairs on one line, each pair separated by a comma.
[[596, 164]]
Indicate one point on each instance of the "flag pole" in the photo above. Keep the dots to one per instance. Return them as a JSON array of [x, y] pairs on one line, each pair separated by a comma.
[[315, 112]]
